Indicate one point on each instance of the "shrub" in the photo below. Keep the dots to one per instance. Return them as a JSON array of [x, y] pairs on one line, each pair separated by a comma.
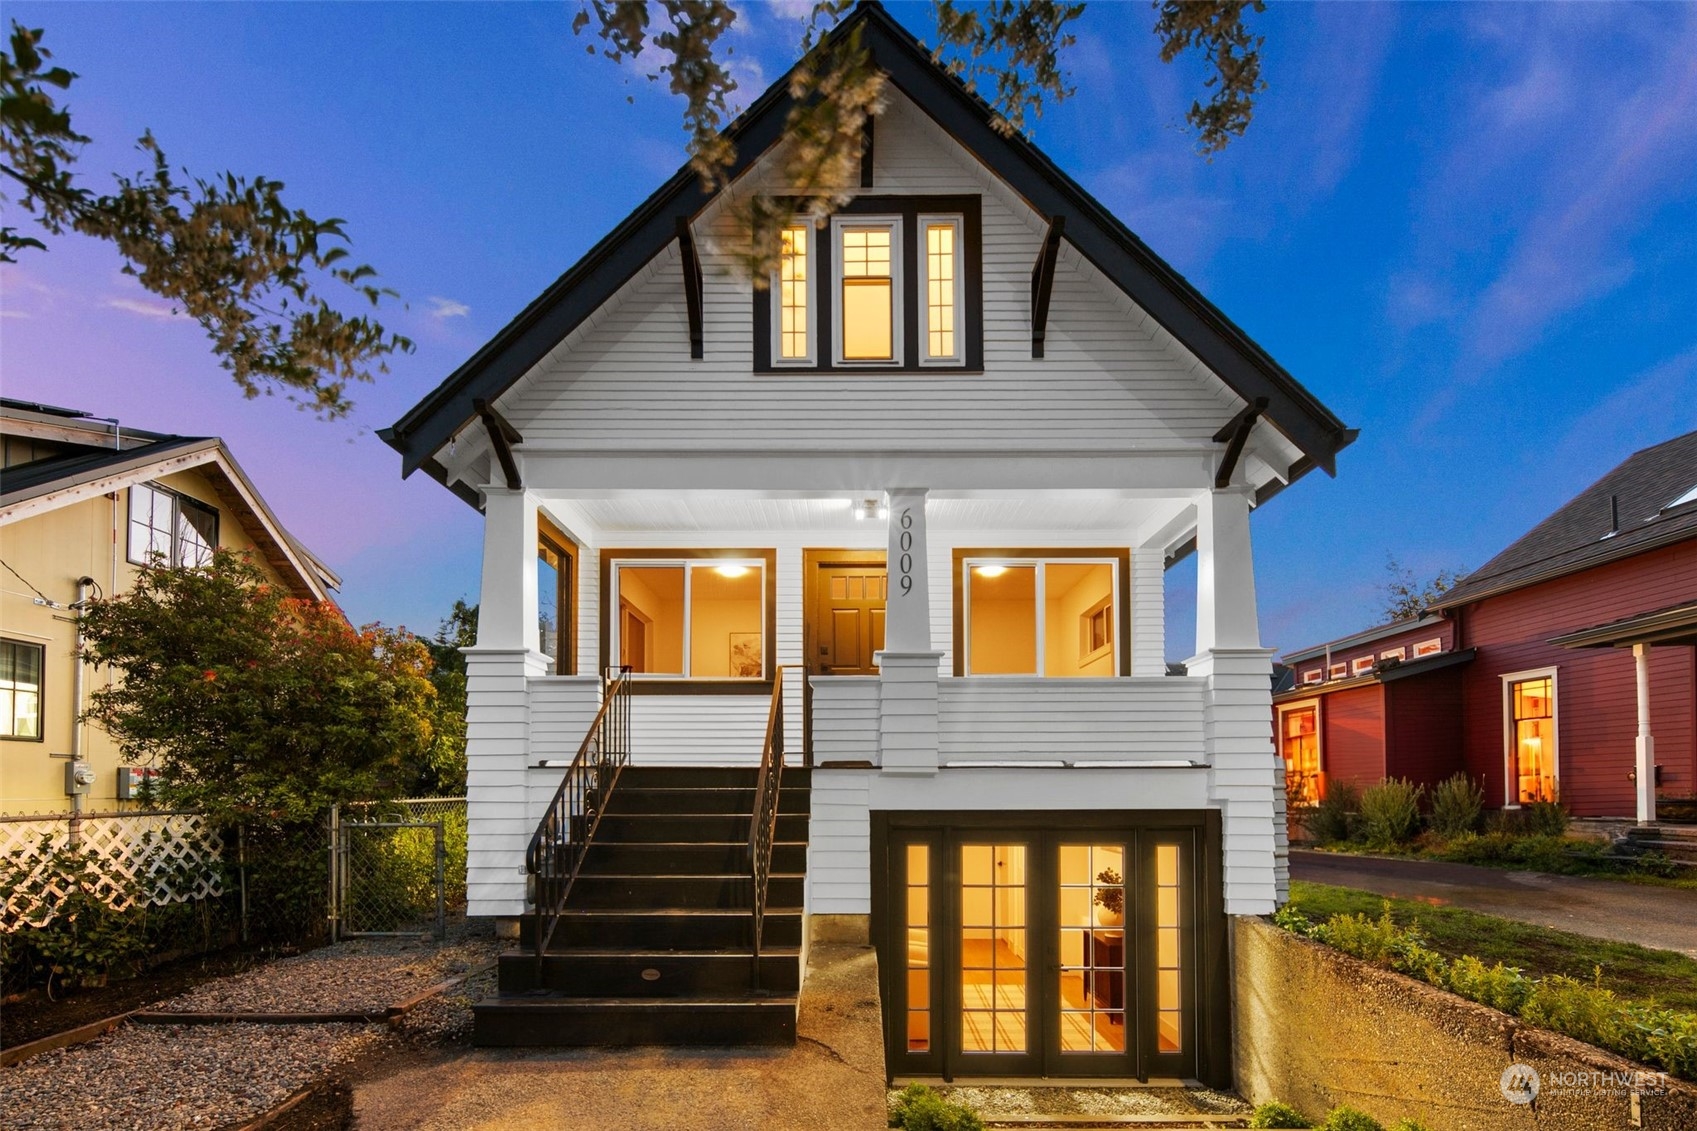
[[1382, 942], [1500, 987], [1333, 820], [1390, 813], [1347, 1118], [1456, 805], [1535, 818], [918, 1108], [1276, 1114]]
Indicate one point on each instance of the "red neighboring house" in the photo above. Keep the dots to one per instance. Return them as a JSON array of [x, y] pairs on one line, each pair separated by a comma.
[[1560, 667]]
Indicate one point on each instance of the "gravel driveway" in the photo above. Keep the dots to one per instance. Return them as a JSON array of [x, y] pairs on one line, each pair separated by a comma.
[[165, 1076]]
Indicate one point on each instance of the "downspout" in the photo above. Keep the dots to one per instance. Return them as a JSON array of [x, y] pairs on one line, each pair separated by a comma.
[[83, 584]]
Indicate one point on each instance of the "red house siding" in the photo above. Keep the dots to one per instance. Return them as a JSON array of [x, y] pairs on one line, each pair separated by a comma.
[[1444, 632], [1352, 743], [1423, 736], [1596, 699]]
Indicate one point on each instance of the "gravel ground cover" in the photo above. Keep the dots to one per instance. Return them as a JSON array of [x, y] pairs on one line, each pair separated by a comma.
[[165, 1077], [168, 1076], [353, 976]]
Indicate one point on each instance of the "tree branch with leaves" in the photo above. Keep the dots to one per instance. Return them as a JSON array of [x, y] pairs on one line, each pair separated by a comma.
[[226, 251]]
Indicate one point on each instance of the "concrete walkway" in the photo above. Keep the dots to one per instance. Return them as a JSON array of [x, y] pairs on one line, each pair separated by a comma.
[[833, 1077], [1665, 918]]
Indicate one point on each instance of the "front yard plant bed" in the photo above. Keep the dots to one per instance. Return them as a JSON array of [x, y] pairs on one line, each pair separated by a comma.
[[1586, 1009], [1635, 972]]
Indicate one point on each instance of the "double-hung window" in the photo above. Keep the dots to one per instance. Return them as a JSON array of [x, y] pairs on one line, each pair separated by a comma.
[[169, 528], [703, 618], [1529, 702], [20, 689], [943, 287], [868, 279], [556, 583]]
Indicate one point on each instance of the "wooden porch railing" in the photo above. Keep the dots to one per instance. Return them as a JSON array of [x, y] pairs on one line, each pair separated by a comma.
[[763, 827], [568, 826]]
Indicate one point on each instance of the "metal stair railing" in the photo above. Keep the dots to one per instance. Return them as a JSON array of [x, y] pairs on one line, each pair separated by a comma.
[[762, 827], [567, 828]]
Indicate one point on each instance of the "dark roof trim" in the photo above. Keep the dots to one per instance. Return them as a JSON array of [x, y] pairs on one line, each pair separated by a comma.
[[1096, 233], [1642, 542], [1674, 625], [41, 477]]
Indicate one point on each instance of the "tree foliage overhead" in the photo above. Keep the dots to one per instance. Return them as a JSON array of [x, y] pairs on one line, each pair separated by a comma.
[[1009, 51], [1407, 596], [254, 705], [226, 250]]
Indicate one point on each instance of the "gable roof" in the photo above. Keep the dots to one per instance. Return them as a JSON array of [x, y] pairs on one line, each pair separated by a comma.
[[1109, 245], [48, 484], [1642, 493], [1365, 636]]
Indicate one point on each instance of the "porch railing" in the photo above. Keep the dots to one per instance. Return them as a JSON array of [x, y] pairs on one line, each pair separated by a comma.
[[568, 826], [763, 827]]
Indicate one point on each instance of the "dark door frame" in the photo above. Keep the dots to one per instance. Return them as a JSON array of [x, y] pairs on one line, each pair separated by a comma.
[[811, 561], [1207, 986]]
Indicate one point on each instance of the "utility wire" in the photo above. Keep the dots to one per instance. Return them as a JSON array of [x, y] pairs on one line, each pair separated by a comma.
[[44, 598]]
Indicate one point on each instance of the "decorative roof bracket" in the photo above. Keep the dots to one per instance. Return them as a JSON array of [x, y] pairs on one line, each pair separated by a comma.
[[1043, 283], [502, 437]]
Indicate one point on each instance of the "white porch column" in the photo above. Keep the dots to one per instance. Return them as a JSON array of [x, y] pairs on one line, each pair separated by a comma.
[[498, 671], [1646, 746], [1148, 611], [1238, 713], [907, 700]]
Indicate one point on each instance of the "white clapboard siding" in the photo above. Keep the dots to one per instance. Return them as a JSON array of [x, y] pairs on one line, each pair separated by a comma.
[[1111, 379], [845, 719], [839, 861], [561, 709], [698, 730], [992, 718]]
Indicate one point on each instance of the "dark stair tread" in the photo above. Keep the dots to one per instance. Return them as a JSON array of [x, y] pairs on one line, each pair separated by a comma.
[[553, 1000], [720, 876], [627, 912]]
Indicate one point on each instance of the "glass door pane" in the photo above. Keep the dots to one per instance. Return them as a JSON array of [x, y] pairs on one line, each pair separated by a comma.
[[1091, 936], [993, 949]]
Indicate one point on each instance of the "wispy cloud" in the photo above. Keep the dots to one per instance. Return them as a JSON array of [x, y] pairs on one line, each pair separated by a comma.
[[442, 309], [146, 307], [8, 313]]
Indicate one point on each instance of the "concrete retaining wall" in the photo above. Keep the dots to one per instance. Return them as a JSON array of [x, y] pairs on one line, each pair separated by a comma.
[[1317, 1028]]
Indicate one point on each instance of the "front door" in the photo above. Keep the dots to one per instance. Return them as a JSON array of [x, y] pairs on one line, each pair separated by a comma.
[[848, 619], [1042, 951]]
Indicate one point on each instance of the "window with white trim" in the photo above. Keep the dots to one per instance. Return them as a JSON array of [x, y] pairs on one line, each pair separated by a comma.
[[1313, 675], [170, 528], [867, 327], [1428, 647], [703, 618], [1045, 616], [1394, 654], [942, 293], [20, 689], [1337, 671], [1361, 665], [1529, 708], [1299, 746]]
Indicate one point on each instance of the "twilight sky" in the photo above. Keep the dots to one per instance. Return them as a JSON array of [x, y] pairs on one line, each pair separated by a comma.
[[1470, 230]]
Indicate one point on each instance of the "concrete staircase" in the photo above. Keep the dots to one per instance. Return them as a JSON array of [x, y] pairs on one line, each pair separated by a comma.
[[656, 944]]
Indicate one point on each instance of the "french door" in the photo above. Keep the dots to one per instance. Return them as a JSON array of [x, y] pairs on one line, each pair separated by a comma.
[[1041, 951]]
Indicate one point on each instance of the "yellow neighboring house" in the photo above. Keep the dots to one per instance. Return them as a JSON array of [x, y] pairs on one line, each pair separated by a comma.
[[83, 503]]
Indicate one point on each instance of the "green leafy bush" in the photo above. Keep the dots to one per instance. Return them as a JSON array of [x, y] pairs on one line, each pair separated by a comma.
[[1276, 1114], [1347, 1118], [1333, 820], [1390, 813], [1500, 987], [1535, 818], [918, 1108], [1457, 803]]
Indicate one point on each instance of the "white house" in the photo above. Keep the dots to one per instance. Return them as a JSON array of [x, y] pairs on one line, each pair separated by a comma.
[[919, 496]]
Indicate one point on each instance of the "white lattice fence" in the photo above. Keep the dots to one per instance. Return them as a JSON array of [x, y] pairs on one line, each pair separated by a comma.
[[126, 859]]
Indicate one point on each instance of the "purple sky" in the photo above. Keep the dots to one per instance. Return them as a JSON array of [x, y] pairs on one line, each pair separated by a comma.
[[1470, 230]]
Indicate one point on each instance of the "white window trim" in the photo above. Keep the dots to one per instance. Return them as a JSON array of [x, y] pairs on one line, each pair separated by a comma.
[[776, 355], [967, 565], [898, 291], [922, 272], [1394, 654], [1361, 665], [1429, 647], [173, 559], [690, 565], [1319, 731], [1314, 675], [1511, 788], [1337, 671]]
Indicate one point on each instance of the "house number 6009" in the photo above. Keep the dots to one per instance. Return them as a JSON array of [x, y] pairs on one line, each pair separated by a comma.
[[906, 544]]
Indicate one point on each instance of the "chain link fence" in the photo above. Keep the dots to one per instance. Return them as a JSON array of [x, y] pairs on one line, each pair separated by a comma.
[[396, 867]]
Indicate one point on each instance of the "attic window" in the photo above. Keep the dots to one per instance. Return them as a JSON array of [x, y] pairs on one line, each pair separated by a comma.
[[1689, 497], [170, 529]]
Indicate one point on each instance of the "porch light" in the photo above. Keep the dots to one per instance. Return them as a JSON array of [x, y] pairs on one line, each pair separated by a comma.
[[730, 570], [867, 508], [990, 570]]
